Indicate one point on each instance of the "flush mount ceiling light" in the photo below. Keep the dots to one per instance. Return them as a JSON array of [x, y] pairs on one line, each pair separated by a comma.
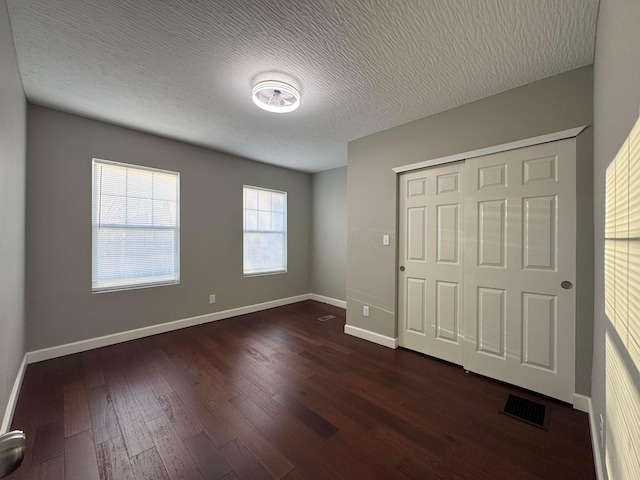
[[274, 96]]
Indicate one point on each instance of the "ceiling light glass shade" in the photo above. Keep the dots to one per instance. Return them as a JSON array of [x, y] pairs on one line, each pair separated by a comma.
[[277, 97]]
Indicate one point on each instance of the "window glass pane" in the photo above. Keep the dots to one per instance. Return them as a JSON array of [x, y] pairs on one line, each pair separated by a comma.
[[264, 200], [134, 254], [251, 220], [138, 211], [277, 203], [139, 183], [263, 252], [113, 180], [264, 221], [112, 209], [251, 198], [164, 187], [277, 222], [164, 213]]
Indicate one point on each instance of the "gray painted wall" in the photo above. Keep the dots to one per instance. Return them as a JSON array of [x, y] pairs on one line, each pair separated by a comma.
[[550, 105], [616, 103], [60, 307], [329, 238], [13, 124]]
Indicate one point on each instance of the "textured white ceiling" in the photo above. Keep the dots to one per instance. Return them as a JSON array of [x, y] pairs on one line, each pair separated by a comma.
[[185, 68]]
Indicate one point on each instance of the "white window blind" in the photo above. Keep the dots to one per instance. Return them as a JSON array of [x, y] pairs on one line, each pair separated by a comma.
[[265, 231], [135, 219], [622, 307]]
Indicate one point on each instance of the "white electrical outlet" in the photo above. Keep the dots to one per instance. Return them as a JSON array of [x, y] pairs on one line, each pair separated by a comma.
[[212, 298], [365, 310], [601, 431]]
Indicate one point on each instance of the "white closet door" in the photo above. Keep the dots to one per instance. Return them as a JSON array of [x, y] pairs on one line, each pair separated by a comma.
[[430, 258], [519, 249]]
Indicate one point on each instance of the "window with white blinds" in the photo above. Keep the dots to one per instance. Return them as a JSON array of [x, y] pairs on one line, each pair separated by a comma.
[[136, 233], [265, 231], [622, 307]]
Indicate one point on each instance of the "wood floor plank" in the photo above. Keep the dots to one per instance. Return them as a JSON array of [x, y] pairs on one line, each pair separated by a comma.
[[104, 421], [113, 461], [72, 368], [171, 449], [244, 464], [301, 445], [198, 360], [214, 429], [311, 419], [48, 405], [207, 342], [231, 476], [115, 380], [155, 379], [210, 463], [259, 396], [134, 431], [149, 406], [179, 416], [50, 470], [91, 371], [196, 475], [76, 409], [148, 466], [136, 380], [273, 461], [293, 368], [80, 457], [48, 442]]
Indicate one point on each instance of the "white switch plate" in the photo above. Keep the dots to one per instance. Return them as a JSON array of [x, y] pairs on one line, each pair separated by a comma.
[[212, 298], [365, 310], [385, 240]]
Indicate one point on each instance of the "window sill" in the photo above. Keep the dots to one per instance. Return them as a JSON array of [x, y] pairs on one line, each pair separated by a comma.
[[122, 288], [262, 274]]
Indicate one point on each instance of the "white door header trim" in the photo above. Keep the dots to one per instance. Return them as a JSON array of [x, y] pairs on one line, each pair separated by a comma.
[[527, 142]]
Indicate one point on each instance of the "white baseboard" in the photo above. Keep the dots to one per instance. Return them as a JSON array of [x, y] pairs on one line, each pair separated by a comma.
[[371, 336], [595, 438], [13, 397], [89, 344], [581, 402], [328, 300]]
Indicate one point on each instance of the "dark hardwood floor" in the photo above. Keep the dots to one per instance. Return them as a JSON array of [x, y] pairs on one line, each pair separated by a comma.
[[280, 395]]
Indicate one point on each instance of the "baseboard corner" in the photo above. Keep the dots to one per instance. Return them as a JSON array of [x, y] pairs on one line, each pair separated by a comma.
[[374, 337], [328, 300], [13, 397], [595, 440], [581, 402]]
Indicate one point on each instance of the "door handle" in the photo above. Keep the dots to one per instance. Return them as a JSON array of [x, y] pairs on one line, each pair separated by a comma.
[[566, 285], [402, 268], [12, 445]]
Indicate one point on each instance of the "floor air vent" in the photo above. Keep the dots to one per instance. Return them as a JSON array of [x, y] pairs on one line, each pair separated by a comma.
[[527, 411], [326, 317]]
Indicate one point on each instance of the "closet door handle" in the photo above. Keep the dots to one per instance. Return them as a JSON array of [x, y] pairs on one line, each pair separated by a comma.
[[402, 269]]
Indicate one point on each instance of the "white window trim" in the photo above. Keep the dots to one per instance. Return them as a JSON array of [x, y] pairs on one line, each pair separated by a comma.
[[138, 285], [284, 232]]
